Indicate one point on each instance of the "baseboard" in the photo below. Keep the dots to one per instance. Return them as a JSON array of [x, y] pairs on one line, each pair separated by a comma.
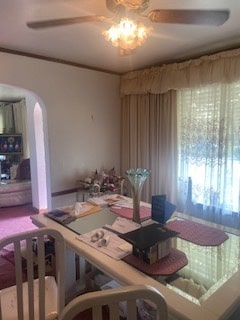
[[40, 210], [63, 192]]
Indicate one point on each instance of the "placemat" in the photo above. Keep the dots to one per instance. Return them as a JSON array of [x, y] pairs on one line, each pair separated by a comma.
[[145, 212], [64, 217], [92, 209], [197, 233], [166, 266]]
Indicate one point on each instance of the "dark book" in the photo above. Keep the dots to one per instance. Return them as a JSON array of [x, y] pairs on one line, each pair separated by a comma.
[[148, 236], [60, 216], [169, 209], [161, 209], [158, 208]]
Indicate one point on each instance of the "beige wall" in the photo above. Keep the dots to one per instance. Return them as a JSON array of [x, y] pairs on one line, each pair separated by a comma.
[[81, 115]]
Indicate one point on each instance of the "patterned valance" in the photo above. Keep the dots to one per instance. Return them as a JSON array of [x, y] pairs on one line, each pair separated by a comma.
[[222, 67]]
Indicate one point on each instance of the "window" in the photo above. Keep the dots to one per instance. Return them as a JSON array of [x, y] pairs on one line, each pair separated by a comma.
[[209, 147]]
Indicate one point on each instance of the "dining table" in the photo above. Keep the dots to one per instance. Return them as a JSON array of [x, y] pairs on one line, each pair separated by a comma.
[[200, 279]]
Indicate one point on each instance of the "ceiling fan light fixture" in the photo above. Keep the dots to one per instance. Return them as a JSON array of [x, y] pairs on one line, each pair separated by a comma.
[[127, 35]]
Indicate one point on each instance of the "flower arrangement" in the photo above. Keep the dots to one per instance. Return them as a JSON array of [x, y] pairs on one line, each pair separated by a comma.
[[104, 182]]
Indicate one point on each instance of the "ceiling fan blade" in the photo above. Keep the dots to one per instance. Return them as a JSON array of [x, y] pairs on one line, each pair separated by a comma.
[[63, 22], [197, 17]]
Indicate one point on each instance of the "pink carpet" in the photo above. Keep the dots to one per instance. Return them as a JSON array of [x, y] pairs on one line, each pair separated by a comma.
[[15, 220], [12, 220]]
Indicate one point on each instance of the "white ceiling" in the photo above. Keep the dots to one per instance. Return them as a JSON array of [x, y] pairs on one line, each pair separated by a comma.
[[84, 44]]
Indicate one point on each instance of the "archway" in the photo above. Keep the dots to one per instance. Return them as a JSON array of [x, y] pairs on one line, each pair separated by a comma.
[[38, 146]]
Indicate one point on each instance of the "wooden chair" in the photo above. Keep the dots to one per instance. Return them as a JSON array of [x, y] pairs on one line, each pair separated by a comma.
[[40, 296], [123, 302]]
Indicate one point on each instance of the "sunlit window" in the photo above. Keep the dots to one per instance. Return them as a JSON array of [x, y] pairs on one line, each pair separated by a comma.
[[209, 147]]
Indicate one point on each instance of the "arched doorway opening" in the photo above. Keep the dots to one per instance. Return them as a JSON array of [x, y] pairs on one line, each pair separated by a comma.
[[38, 147]]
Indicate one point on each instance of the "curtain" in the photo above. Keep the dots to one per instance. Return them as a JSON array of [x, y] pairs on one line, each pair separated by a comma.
[[7, 119], [223, 67], [149, 140], [220, 70], [20, 120], [13, 119], [209, 152]]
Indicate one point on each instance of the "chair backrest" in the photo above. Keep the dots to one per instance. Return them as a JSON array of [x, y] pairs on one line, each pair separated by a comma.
[[32, 249], [127, 301]]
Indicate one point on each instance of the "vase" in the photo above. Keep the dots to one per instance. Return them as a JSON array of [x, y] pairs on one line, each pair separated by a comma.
[[137, 177]]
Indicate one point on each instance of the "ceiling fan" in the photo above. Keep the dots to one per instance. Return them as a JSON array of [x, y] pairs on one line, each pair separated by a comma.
[[134, 9], [123, 7]]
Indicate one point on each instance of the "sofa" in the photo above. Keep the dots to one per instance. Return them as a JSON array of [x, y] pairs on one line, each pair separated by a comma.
[[17, 191]]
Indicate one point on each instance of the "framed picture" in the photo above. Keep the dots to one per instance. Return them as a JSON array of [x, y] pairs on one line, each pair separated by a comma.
[[10, 143]]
